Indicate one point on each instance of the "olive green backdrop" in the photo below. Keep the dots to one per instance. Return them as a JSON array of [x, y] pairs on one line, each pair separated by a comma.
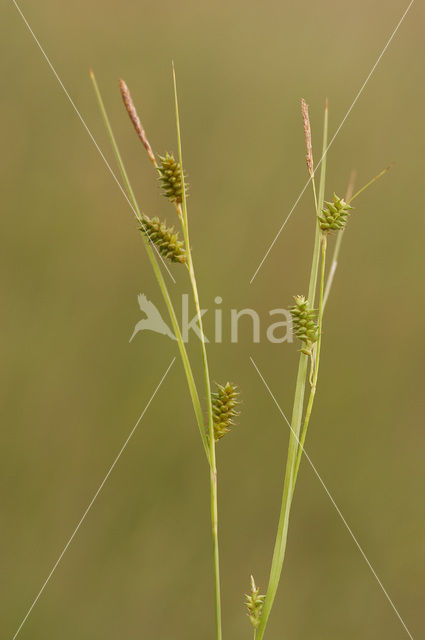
[[72, 265]]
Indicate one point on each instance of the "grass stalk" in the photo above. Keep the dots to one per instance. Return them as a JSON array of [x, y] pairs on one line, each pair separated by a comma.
[[349, 198], [337, 248], [316, 362], [158, 273], [319, 204], [296, 419], [368, 184], [211, 439], [282, 530]]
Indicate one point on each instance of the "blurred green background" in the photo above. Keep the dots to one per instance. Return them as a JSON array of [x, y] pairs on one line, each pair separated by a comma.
[[72, 265]]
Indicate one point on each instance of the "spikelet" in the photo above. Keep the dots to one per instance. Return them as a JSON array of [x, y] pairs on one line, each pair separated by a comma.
[[335, 215], [131, 110], [224, 402], [307, 134], [254, 603], [304, 321], [170, 176], [165, 238]]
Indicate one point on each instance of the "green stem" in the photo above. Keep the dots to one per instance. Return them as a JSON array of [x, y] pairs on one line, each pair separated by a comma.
[[333, 267], [282, 530], [348, 198], [158, 273], [324, 294], [313, 184], [317, 361], [319, 205], [337, 248], [211, 440], [297, 411], [368, 184]]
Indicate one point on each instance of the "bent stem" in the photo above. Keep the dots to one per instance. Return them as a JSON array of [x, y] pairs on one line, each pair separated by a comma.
[[158, 273], [297, 412], [182, 210]]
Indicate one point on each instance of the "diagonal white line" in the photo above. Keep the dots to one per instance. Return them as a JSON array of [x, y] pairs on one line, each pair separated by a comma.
[[83, 122], [111, 468], [359, 93], [347, 526]]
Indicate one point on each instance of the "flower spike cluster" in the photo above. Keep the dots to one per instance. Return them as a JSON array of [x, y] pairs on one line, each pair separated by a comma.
[[224, 402], [165, 238], [335, 215], [254, 603], [170, 175], [304, 321]]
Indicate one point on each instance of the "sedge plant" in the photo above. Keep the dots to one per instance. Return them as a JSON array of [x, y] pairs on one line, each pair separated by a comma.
[[330, 219], [164, 245]]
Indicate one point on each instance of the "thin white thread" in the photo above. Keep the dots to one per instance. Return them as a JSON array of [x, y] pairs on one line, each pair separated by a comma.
[[333, 501], [333, 138], [138, 218], [111, 468]]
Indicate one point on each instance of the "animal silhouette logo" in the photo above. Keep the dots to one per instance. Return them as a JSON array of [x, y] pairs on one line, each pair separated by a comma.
[[153, 320], [276, 332]]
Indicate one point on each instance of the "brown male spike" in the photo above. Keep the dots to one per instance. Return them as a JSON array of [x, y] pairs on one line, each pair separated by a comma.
[[131, 110]]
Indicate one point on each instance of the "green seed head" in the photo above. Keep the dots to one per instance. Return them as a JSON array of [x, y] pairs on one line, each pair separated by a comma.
[[254, 603], [335, 215], [170, 176], [224, 402], [304, 322], [166, 239]]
